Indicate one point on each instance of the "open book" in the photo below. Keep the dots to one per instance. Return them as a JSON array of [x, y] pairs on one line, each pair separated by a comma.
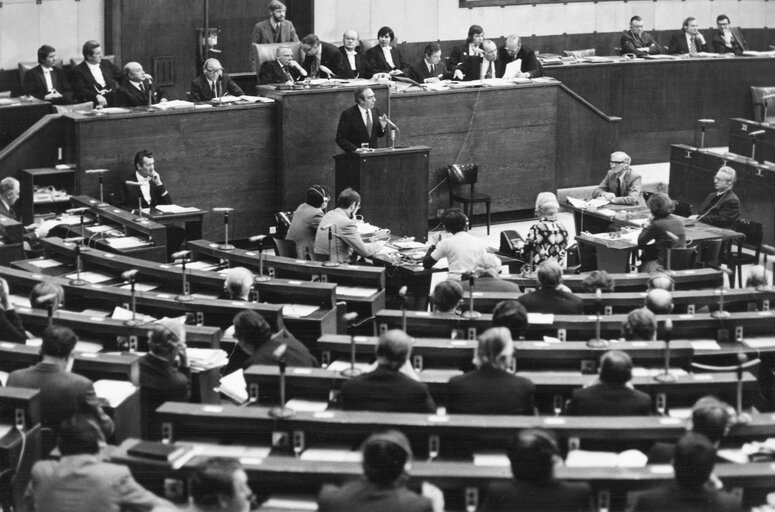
[[588, 205]]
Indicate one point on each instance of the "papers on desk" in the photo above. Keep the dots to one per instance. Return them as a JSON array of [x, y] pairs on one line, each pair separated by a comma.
[[101, 229], [174, 105], [256, 99], [234, 386], [651, 372], [407, 244], [174, 208], [366, 229], [290, 502], [513, 69], [225, 99], [298, 404], [660, 56], [120, 313], [199, 265], [206, 358], [45, 263], [126, 242], [588, 205], [704, 345], [754, 343], [298, 310], [7, 101], [540, 318], [234, 452], [589, 459], [491, 459], [140, 287], [112, 110], [331, 455], [114, 392], [355, 291], [339, 365], [90, 277], [752, 53]]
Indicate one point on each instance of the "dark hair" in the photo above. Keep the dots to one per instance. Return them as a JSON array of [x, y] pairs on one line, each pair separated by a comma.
[[598, 280], [512, 315], [393, 347], [472, 31], [640, 324], [213, 479], [44, 51], [47, 288], [532, 454], [432, 48], [693, 461], [723, 17], [454, 220], [710, 417], [58, 341], [447, 295], [358, 92], [660, 205], [386, 31], [89, 47], [79, 434], [347, 197], [162, 340], [383, 458], [311, 39], [687, 21], [252, 328], [635, 18], [615, 367], [143, 153], [317, 195]]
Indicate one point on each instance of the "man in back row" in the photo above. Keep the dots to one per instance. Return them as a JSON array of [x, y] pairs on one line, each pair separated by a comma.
[[689, 40], [637, 41], [283, 70], [354, 63]]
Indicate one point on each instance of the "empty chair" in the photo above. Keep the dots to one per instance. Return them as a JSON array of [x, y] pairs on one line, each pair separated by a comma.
[[736, 258], [285, 248], [682, 258], [709, 252], [682, 209], [461, 175]]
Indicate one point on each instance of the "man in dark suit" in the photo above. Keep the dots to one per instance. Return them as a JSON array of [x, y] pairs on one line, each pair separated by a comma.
[[638, 42], [385, 60], [62, 393], [512, 51], [95, 79], [386, 388], [722, 207], [548, 298], [431, 69], [533, 454], [689, 40], [477, 67], [362, 123], [46, 81], [621, 184], [322, 60], [9, 195], [214, 83], [283, 70], [146, 186], [138, 89], [694, 489], [11, 327], [386, 459], [354, 63], [727, 38], [611, 396]]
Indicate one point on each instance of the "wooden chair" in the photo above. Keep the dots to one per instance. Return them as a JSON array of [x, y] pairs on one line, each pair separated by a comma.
[[261, 53], [753, 232], [682, 258], [285, 248], [709, 252], [682, 209], [467, 174]]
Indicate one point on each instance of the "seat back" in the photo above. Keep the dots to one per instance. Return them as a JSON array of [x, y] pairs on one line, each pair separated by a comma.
[[285, 248], [709, 252], [759, 103], [261, 53], [463, 174], [682, 209], [754, 233], [77, 60], [26, 66], [366, 44], [683, 258]]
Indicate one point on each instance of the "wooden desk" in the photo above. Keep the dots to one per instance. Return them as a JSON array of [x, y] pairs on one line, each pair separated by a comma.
[[11, 236], [684, 280], [741, 143], [19, 116]]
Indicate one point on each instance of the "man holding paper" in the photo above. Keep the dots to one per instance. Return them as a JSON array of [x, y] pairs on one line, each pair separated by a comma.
[[517, 61], [621, 184]]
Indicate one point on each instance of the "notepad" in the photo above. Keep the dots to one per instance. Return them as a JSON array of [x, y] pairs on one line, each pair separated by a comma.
[[45, 263], [174, 208], [298, 310], [90, 277], [355, 291], [114, 392]]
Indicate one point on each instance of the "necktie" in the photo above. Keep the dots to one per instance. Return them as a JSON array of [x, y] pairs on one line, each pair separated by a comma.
[[215, 90], [489, 71], [288, 76], [313, 68], [369, 123], [618, 187], [433, 70], [142, 87], [277, 33], [692, 45]]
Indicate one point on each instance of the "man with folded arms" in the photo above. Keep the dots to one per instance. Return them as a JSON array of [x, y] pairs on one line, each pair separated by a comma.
[[354, 63], [637, 41], [47, 81]]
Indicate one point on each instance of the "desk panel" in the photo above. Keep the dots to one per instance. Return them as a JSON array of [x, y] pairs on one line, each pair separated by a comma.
[[16, 118]]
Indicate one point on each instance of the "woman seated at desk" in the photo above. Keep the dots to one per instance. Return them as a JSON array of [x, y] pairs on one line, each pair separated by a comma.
[[665, 230]]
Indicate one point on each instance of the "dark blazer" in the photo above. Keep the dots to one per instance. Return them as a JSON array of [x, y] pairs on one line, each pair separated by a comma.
[[555, 495], [631, 187], [296, 354], [673, 498], [630, 43], [472, 68], [738, 44], [609, 400], [365, 496], [169, 383], [529, 64], [723, 213], [361, 65], [329, 57], [548, 300], [490, 390], [271, 72], [378, 64], [86, 88], [419, 72], [679, 45], [35, 84], [127, 95], [386, 390], [159, 194], [351, 130], [458, 55], [11, 327], [28, 236], [62, 394], [657, 231], [200, 88]]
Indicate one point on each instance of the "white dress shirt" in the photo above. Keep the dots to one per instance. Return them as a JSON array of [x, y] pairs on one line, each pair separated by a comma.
[[97, 73], [47, 77], [388, 56], [145, 186]]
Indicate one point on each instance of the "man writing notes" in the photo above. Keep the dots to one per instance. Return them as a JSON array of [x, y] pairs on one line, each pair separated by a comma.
[[353, 60], [362, 123], [322, 60], [479, 67], [722, 207], [621, 184], [431, 69], [727, 38], [637, 41], [283, 70], [689, 41], [513, 51]]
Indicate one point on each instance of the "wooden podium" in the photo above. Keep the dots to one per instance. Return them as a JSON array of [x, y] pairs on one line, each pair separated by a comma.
[[393, 184]]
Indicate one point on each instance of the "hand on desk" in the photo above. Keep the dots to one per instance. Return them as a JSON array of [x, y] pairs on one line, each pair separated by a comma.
[[610, 196], [458, 75], [326, 70], [395, 72]]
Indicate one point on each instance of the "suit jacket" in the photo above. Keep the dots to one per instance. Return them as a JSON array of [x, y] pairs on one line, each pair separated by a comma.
[[11, 328], [365, 496], [549, 300], [723, 213], [738, 44], [264, 34], [85, 86], [329, 57], [609, 400], [361, 65], [127, 95], [351, 130], [62, 394], [630, 193], [35, 84], [678, 44], [303, 228], [490, 390], [492, 284], [673, 498], [419, 72], [458, 55], [386, 390], [169, 383], [200, 88], [345, 237], [529, 64], [378, 64], [657, 231], [630, 43], [159, 194], [296, 354], [271, 72], [83, 483], [472, 68], [555, 495]]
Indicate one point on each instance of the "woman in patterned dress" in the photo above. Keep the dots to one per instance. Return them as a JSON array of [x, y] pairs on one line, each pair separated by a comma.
[[547, 238]]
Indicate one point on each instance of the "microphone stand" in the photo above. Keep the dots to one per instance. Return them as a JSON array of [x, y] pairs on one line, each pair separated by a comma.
[[281, 411], [703, 124], [471, 313], [131, 276], [667, 376], [50, 313], [184, 296], [78, 281], [597, 341], [352, 371], [331, 258], [742, 417], [261, 277], [225, 246], [754, 137], [100, 173], [720, 313], [402, 295]]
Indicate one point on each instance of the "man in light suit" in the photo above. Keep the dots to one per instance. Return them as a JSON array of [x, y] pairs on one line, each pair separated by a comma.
[[354, 63], [727, 38], [138, 89], [47, 81], [479, 67], [689, 40], [95, 79], [621, 184], [283, 70], [361, 123], [340, 226], [214, 83]]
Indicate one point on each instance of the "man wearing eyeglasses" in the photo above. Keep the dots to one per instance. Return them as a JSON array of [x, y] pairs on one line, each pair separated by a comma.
[[621, 184], [513, 51], [214, 83], [722, 207], [479, 67], [727, 39]]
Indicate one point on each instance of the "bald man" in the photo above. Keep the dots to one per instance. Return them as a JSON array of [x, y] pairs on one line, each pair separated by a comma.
[[137, 89], [213, 83], [354, 63], [659, 301], [621, 184], [476, 67]]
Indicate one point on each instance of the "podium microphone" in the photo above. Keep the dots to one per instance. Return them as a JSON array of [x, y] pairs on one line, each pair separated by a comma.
[[471, 313], [225, 246], [101, 173], [78, 264], [48, 300], [281, 411], [721, 291], [667, 376], [350, 319], [332, 262], [597, 341]]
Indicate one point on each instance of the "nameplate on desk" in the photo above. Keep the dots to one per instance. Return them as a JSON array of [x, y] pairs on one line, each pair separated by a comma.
[[670, 421], [217, 409], [554, 421]]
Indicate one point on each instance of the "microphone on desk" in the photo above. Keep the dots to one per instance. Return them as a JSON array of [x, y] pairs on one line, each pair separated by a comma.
[[225, 246], [720, 313], [48, 300], [667, 376], [350, 319], [180, 254], [332, 261], [260, 239], [742, 417], [402, 295], [471, 313], [185, 296], [281, 410], [597, 341], [131, 277], [76, 211]]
